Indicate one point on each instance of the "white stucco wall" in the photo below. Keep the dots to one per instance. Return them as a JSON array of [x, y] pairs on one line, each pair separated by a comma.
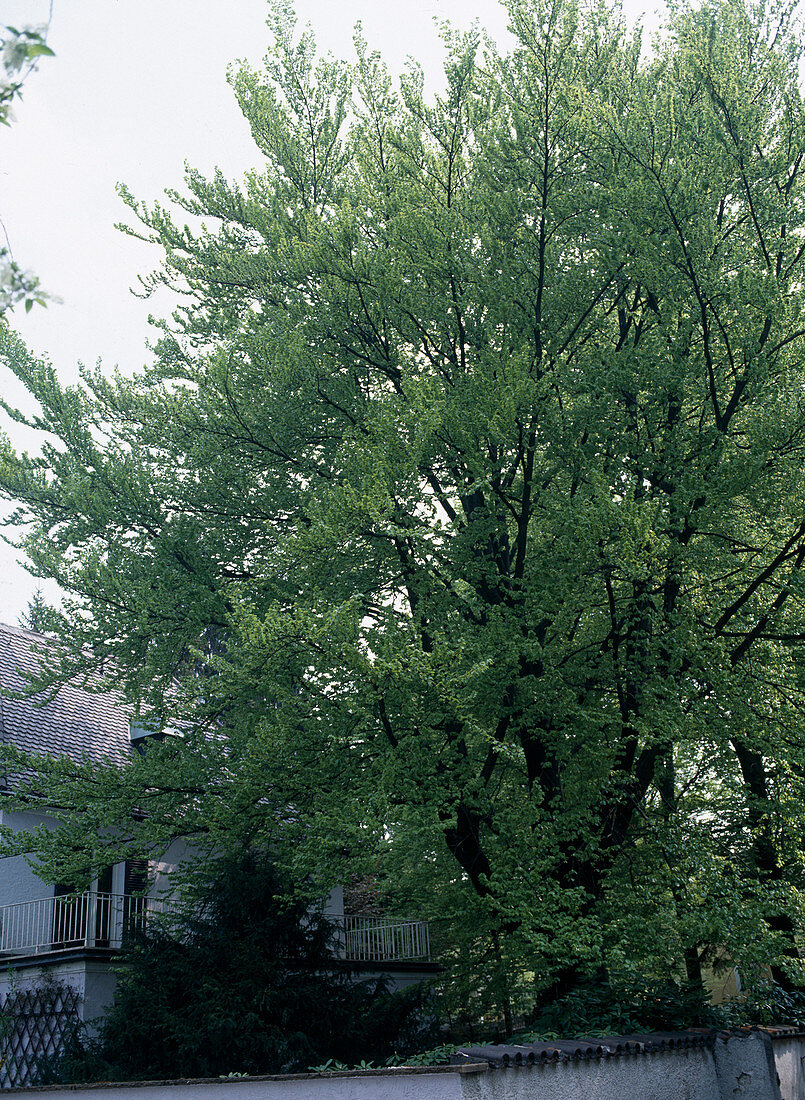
[[177, 855], [91, 977], [18, 882], [669, 1075], [389, 1085], [789, 1057], [92, 980], [334, 904]]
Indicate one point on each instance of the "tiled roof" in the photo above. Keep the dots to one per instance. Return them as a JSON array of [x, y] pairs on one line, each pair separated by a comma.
[[572, 1050], [577, 1050], [73, 722]]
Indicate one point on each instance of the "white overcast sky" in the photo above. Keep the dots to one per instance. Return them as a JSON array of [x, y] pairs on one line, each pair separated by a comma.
[[136, 89]]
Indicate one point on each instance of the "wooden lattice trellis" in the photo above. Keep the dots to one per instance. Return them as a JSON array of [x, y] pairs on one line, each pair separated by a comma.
[[34, 1025]]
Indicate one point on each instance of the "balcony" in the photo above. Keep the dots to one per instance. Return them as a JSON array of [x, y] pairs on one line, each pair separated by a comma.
[[91, 920], [384, 939], [102, 921]]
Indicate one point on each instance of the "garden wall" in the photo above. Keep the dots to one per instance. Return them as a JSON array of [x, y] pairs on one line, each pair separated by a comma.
[[754, 1064]]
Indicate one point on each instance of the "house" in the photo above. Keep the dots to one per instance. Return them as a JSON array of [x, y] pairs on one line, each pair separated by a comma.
[[45, 932]]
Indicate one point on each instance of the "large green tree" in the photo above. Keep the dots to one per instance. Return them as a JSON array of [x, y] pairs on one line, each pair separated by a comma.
[[458, 521]]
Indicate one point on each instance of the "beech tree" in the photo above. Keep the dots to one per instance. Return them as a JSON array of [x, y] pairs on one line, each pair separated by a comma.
[[457, 523]]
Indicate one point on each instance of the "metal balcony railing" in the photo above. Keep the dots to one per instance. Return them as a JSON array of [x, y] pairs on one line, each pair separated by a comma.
[[99, 920], [65, 923], [383, 939]]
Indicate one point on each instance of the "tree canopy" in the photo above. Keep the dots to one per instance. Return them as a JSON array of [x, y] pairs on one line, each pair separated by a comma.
[[457, 524]]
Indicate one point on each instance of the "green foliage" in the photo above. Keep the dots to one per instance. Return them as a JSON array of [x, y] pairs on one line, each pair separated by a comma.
[[435, 1056], [35, 616], [767, 1005], [20, 50], [629, 1004], [247, 984], [624, 1005], [460, 508]]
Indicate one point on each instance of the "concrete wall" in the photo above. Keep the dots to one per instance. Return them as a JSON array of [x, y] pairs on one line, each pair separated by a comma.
[[746, 1067], [743, 1066], [668, 1075], [431, 1084], [396, 975], [789, 1057], [334, 904]]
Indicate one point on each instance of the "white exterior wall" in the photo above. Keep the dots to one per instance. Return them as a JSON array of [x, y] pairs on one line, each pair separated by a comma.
[[334, 904], [789, 1057], [178, 855], [91, 977], [17, 879], [19, 882], [668, 1075], [390, 1085], [92, 980]]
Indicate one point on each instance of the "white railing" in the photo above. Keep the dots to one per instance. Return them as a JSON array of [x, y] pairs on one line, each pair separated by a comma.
[[104, 920], [383, 939], [64, 923]]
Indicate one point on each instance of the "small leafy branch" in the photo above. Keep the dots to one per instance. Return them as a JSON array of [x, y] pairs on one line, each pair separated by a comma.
[[20, 50]]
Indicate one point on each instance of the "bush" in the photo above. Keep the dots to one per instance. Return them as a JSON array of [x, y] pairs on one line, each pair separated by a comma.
[[625, 1004], [629, 1004], [246, 985]]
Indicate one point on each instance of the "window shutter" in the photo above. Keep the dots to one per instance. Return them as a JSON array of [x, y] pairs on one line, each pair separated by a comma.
[[136, 879]]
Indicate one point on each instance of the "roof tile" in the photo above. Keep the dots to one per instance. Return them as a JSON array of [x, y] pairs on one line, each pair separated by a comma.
[[76, 722]]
